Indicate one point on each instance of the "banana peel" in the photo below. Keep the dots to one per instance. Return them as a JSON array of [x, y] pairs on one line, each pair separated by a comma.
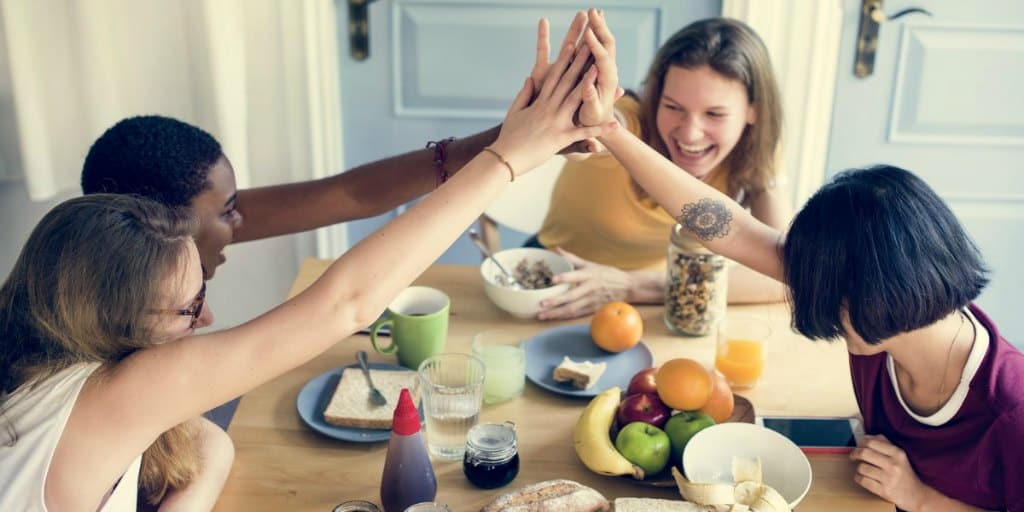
[[749, 494], [592, 442]]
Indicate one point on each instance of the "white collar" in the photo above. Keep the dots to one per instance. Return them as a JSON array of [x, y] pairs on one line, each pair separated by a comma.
[[950, 408]]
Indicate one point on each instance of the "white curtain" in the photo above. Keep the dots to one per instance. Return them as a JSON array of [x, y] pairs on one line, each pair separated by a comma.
[[79, 66]]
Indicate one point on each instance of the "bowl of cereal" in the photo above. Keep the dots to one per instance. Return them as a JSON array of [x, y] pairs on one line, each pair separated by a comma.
[[533, 269]]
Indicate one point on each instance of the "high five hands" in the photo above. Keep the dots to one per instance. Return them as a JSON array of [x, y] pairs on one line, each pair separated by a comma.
[[541, 118], [600, 79]]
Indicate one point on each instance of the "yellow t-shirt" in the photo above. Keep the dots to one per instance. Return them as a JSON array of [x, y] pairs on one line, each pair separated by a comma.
[[596, 214]]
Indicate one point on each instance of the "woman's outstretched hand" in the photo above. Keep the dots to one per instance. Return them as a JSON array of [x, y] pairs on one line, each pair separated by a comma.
[[533, 131], [601, 82]]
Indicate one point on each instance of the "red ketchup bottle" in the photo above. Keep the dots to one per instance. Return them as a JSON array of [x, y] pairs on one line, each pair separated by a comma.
[[408, 475]]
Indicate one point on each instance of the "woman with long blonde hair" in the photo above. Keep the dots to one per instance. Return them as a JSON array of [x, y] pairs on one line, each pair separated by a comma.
[[98, 357]]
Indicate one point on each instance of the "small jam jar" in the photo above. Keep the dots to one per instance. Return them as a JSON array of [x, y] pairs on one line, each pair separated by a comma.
[[492, 455]]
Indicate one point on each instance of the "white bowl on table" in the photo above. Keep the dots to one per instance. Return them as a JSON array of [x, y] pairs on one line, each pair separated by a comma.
[[708, 456], [523, 303]]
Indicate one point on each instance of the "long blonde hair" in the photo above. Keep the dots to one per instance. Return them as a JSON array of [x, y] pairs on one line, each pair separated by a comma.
[[733, 50], [80, 292]]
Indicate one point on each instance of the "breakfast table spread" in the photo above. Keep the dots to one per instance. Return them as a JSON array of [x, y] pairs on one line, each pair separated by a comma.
[[283, 464]]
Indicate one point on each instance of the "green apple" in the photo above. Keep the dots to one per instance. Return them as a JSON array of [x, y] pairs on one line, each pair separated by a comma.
[[645, 445], [683, 426]]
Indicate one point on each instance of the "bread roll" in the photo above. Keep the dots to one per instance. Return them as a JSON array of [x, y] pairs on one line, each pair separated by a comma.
[[550, 496]]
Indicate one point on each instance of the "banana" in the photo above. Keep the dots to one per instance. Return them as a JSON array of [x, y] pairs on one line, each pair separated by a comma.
[[746, 470], [704, 494], [748, 494], [592, 441]]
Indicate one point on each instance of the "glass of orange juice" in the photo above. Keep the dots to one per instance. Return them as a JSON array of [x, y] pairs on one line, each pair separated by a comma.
[[740, 352]]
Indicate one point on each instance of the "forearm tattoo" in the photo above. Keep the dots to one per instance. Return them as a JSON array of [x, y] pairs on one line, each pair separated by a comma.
[[707, 218]]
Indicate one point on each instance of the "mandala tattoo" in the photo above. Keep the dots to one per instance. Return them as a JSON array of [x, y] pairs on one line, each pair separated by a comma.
[[707, 218]]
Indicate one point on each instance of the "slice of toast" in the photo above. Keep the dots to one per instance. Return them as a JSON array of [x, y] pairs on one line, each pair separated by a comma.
[[350, 405], [657, 505], [582, 374]]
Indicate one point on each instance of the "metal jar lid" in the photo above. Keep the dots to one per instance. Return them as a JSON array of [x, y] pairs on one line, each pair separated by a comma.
[[492, 442], [356, 506]]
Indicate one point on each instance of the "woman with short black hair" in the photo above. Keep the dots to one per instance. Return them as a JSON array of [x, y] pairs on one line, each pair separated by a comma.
[[877, 258]]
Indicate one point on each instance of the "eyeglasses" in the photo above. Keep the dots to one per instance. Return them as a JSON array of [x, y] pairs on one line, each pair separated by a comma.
[[194, 311]]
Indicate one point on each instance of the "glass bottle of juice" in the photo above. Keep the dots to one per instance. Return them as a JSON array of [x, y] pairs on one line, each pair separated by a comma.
[[408, 476]]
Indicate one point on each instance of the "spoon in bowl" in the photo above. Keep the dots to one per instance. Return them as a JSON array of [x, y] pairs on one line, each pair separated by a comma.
[[510, 280]]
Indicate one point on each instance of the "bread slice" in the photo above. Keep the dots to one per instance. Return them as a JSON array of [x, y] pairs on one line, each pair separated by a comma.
[[657, 505], [583, 374], [350, 405], [550, 496]]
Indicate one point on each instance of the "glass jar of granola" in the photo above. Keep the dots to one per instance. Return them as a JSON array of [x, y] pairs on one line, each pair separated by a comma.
[[695, 291]]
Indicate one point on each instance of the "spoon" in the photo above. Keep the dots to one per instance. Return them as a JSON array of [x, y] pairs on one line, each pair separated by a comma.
[[375, 395], [510, 280]]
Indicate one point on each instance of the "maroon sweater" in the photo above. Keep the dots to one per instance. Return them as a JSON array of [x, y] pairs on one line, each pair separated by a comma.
[[978, 456]]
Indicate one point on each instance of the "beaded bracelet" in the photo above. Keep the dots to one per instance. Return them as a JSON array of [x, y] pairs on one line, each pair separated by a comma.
[[440, 155], [511, 173]]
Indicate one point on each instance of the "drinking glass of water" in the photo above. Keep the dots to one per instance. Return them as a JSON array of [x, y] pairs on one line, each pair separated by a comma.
[[505, 360], [452, 387]]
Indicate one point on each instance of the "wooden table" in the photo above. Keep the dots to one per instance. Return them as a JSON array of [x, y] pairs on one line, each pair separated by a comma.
[[281, 464]]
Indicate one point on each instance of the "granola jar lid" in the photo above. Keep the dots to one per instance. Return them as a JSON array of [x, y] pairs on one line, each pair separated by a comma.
[[687, 241]]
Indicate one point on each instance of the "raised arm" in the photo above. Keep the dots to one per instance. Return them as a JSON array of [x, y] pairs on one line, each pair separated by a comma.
[[364, 191], [198, 372], [377, 187], [721, 224]]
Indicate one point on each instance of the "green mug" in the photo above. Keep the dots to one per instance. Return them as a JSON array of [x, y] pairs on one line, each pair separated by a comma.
[[418, 319]]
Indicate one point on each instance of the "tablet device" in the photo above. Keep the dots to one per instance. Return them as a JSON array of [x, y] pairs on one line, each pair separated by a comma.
[[817, 435]]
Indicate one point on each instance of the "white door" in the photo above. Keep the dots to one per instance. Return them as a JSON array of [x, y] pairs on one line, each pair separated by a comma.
[[946, 101], [439, 68]]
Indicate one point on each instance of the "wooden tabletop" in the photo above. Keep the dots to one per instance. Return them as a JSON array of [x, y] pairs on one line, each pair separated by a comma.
[[281, 464]]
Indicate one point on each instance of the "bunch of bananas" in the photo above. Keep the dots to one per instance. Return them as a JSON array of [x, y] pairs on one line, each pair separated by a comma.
[[592, 440]]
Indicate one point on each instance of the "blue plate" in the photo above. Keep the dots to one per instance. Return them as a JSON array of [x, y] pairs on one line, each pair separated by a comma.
[[316, 394], [545, 351]]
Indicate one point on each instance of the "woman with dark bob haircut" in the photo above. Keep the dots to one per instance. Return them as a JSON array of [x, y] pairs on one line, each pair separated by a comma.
[[877, 258]]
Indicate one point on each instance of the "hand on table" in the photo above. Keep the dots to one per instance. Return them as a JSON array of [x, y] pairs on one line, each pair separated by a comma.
[[593, 285], [885, 470]]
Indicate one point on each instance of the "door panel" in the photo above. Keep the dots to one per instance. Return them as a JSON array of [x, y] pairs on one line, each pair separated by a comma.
[[440, 68], [944, 101]]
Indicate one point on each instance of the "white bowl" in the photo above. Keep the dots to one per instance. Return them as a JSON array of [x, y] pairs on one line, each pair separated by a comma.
[[708, 456], [522, 303]]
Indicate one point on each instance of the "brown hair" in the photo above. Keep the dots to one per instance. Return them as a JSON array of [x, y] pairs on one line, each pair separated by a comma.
[[733, 50], [80, 292]]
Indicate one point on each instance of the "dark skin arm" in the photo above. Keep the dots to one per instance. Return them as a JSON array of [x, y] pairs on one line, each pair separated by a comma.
[[377, 187], [365, 191]]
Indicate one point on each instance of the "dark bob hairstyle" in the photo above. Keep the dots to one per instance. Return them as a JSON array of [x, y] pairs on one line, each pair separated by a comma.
[[881, 244]]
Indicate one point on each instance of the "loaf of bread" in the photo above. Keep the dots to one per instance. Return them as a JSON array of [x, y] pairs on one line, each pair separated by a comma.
[[657, 505], [583, 374], [550, 496], [350, 405]]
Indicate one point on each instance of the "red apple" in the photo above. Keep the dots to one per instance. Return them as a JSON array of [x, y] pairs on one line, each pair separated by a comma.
[[643, 382], [643, 407]]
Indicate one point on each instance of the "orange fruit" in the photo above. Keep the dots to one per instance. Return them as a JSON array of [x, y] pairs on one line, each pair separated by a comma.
[[721, 403], [684, 384], [616, 327]]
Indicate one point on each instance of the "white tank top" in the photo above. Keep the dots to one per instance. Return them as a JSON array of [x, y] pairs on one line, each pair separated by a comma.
[[37, 416]]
